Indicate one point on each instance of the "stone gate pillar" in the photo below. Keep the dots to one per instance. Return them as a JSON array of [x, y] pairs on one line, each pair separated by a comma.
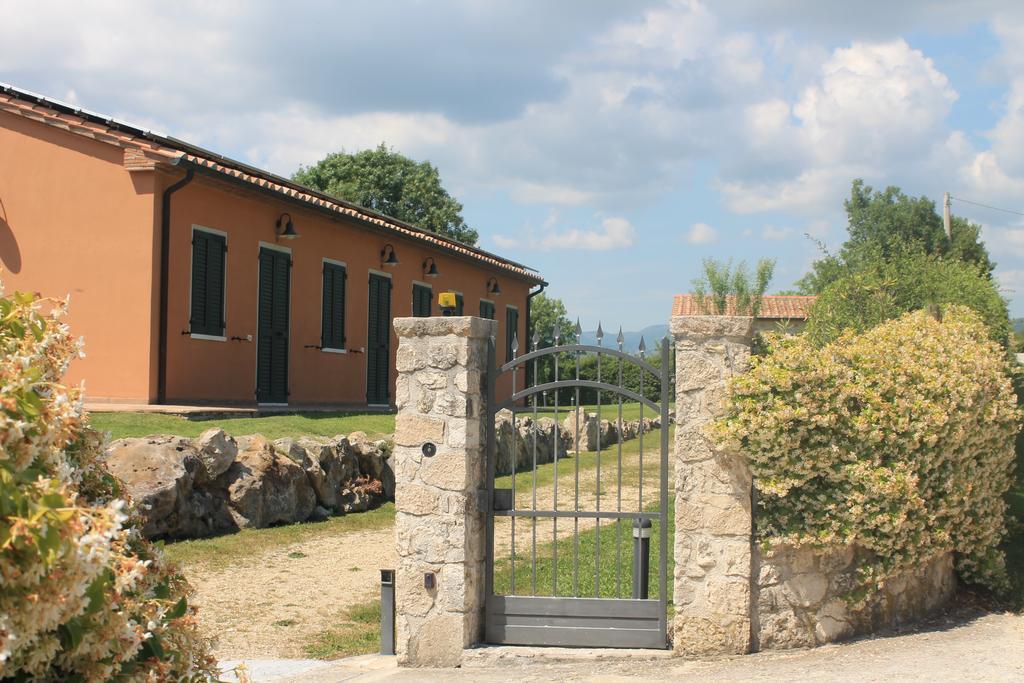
[[713, 531], [439, 498]]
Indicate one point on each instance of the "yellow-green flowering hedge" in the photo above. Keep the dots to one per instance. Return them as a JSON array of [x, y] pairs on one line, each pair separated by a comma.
[[83, 597], [899, 439]]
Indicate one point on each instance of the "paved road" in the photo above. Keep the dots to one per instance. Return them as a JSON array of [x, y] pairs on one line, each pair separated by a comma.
[[983, 648]]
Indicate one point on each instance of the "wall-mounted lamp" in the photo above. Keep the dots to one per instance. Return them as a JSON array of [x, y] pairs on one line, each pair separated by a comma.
[[387, 256], [492, 286], [431, 269], [286, 229]]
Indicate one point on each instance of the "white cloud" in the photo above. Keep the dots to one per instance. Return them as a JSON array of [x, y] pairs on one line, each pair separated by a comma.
[[770, 232], [1011, 281], [872, 107], [614, 233], [701, 233], [536, 193]]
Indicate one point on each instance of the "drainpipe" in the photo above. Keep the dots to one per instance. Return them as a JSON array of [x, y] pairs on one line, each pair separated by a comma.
[[165, 260], [526, 345]]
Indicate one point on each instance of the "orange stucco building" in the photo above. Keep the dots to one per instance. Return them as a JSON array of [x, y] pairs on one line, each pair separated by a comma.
[[184, 286]]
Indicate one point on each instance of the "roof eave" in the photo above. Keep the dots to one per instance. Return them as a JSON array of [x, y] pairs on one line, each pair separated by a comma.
[[368, 222]]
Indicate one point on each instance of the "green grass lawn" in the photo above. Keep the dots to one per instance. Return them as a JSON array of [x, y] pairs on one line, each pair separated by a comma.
[[609, 411], [589, 571], [588, 464], [248, 545], [122, 425], [356, 633]]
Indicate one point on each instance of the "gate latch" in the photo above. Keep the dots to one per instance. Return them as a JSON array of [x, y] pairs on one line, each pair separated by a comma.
[[502, 499]]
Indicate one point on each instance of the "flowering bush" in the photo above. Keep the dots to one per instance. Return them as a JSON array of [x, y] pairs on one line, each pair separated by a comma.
[[899, 440], [82, 595]]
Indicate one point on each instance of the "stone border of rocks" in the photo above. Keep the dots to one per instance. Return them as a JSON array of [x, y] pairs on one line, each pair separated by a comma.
[[215, 484]]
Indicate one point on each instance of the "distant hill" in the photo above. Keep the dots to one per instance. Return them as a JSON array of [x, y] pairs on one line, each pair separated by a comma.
[[651, 334], [1018, 325]]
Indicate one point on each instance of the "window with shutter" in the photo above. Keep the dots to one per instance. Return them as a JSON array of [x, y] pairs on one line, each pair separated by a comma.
[[486, 309], [511, 330], [332, 334], [458, 304], [422, 296], [206, 314]]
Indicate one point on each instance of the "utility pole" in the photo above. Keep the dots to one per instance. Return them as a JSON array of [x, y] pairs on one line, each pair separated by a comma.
[[947, 216]]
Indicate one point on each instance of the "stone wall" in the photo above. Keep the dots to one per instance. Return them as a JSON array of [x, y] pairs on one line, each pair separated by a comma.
[[801, 596], [190, 488], [440, 521], [731, 596]]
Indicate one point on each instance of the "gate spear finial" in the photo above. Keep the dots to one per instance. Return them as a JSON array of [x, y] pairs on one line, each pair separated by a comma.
[[620, 339], [642, 347], [515, 344], [600, 333], [557, 332]]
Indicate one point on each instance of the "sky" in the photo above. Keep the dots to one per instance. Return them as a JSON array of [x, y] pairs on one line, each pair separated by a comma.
[[610, 145]]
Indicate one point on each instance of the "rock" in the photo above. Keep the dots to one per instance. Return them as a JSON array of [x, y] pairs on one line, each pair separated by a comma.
[[161, 474], [319, 514], [265, 487], [217, 450]]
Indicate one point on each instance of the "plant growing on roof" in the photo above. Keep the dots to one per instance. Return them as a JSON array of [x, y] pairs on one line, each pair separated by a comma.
[[720, 282]]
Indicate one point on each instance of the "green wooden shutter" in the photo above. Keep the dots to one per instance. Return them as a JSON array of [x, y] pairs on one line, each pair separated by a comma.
[[511, 329], [333, 315], [458, 304], [206, 315], [487, 309], [421, 300]]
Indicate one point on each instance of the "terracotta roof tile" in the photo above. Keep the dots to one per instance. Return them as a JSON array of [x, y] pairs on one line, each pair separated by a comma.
[[38, 108], [774, 307]]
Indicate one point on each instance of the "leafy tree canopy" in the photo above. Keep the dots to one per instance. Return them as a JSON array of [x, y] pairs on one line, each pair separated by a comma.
[[383, 180], [545, 311], [881, 289], [888, 225]]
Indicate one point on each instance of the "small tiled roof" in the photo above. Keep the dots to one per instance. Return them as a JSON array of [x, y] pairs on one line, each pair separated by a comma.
[[776, 307], [145, 149]]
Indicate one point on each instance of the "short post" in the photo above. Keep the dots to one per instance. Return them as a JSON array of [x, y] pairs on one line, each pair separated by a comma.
[[387, 611], [641, 558]]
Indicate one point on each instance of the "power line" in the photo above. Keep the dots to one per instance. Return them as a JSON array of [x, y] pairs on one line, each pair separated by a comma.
[[987, 206]]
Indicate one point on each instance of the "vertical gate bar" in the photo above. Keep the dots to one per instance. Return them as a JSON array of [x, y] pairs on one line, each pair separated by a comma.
[[515, 431], [663, 549], [618, 501], [554, 520], [491, 465], [640, 435], [533, 521], [576, 458], [597, 520]]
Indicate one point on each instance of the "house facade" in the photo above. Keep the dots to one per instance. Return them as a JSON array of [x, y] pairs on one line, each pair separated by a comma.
[[196, 279], [778, 312]]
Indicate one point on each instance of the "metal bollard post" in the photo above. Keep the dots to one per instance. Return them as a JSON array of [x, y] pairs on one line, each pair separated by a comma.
[[387, 611], [641, 558]]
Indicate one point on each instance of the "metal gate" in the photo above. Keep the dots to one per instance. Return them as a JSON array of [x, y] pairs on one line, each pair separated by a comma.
[[566, 567]]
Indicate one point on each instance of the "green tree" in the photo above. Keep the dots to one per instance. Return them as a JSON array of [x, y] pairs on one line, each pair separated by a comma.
[[545, 313], [881, 290], [383, 180], [889, 225]]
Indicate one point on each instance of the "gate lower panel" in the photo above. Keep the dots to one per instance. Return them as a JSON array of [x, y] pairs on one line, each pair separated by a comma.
[[575, 622]]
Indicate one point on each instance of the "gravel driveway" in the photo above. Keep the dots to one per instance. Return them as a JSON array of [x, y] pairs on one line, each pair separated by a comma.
[[979, 647]]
